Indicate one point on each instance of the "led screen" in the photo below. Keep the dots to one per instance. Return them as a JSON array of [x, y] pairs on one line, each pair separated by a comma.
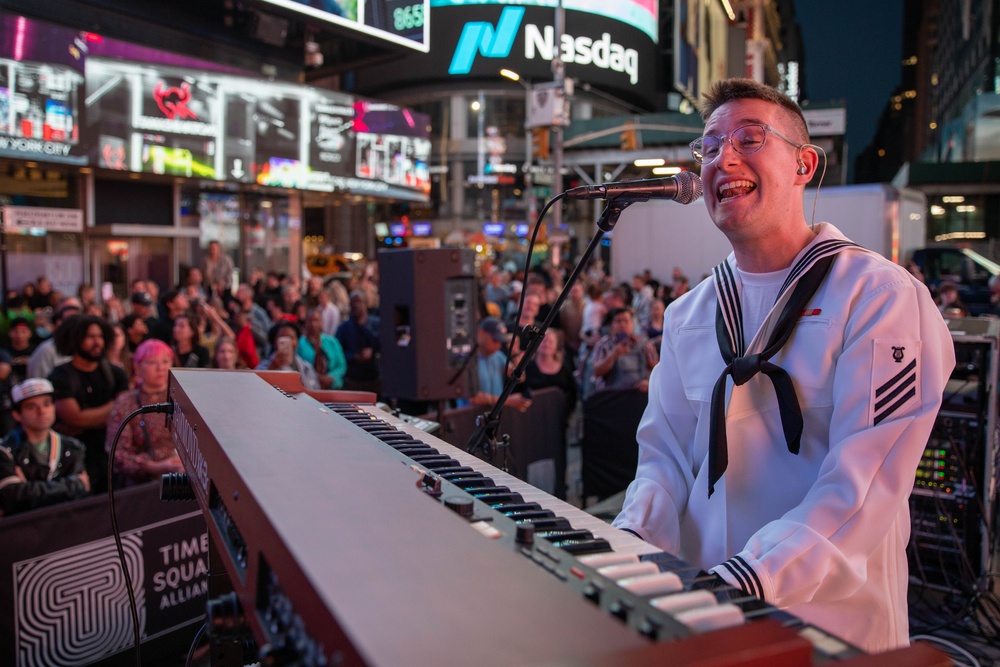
[[405, 22]]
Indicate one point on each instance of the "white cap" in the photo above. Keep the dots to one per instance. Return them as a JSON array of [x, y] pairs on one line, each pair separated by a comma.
[[30, 388]]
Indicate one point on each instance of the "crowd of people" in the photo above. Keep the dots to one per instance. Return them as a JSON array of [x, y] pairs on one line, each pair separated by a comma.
[[105, 358], [73, 367]]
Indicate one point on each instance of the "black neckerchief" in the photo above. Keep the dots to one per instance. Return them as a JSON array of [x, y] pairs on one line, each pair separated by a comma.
[[806, 275]]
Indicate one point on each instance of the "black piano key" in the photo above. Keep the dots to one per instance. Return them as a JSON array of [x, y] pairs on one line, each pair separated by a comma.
[[402, 442], [557, 523], [455, 472], [494, 490], [398, 437], [409, 450], [561, 535], [530, 515], [579, 547], [507, 508], [467, 483], [431, 459], [444, 470], [442, 466], [504, 497]]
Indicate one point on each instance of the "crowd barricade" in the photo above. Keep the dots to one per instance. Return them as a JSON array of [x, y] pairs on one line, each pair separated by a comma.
[[609, 453], [62, 587], [537, 450]]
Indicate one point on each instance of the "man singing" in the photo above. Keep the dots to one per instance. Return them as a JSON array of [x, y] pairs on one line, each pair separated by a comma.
[[795, 392]]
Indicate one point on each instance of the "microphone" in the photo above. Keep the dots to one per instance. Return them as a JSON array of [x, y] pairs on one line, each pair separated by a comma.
[[684, 188]]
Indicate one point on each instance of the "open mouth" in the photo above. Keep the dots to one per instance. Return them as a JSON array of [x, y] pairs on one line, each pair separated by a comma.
[[735, 189]]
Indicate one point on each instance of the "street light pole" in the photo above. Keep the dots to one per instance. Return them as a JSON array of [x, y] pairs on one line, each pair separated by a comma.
[[559, 76]]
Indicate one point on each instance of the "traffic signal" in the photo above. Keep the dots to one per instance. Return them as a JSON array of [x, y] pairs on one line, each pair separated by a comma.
[[540, 142], [629, 140]]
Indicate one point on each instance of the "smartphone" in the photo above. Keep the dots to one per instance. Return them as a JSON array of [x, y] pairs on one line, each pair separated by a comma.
[[107, 292], [285, 345]]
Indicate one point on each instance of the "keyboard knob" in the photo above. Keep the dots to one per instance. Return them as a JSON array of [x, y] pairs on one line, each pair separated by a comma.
[[461, 506]]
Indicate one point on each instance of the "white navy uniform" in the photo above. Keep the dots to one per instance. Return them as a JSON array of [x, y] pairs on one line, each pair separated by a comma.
[[821, 533]]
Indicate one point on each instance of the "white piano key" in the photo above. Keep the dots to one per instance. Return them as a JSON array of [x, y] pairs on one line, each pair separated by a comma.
[[619, 572], [679, 602], [613, 558], [659, 583], [704, 619]]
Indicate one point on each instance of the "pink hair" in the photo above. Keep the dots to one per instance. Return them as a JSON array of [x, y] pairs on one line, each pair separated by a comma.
[[150, 348]]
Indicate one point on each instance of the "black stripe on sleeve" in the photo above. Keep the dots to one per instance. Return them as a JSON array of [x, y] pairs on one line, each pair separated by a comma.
[[896, 378]]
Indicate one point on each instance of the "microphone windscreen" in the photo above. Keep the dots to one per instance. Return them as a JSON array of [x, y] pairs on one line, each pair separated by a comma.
[[688, 187]]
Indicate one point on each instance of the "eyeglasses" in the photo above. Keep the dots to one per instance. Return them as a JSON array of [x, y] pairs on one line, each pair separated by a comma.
[[745, 140]]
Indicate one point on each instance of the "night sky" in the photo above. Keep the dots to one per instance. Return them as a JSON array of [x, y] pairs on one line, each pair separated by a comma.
[[853, 53]]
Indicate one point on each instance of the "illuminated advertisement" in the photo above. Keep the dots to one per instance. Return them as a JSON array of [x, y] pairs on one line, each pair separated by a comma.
[[163, 120], [611, 45], [155, 120], [392, 145], [404, 22], [41, 79], [643, 14], [69, 96]]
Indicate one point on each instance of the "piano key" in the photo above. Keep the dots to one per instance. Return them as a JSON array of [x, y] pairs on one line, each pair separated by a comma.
[[620, 541], [627, 570], [705, 619], [588, 546], [659, 583], [679, 602]]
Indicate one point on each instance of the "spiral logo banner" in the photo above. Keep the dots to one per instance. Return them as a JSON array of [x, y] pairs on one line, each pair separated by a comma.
[[72, 606], [61, 580]]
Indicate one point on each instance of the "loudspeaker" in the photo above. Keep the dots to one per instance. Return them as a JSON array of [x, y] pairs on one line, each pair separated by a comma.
[[428, 321]]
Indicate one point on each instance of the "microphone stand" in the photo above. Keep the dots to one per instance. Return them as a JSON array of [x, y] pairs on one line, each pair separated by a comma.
[[484, 438]]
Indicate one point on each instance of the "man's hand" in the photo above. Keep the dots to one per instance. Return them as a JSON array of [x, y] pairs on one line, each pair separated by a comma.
[[20, 474], [643, 386], [365, 354], [85, 478]]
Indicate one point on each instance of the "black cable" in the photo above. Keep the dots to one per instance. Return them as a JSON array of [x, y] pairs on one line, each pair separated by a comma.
[[194, 644], [167, 409]]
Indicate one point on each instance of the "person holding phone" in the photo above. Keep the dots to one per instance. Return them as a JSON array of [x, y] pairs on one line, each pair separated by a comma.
[[623, 359], [283, 338]]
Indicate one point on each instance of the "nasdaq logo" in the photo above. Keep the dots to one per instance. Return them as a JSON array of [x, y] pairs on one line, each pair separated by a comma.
[[482, 37]]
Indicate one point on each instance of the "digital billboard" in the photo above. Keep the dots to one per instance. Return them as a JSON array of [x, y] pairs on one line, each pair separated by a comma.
[[71, 96], [41, 79], [404, 22], [180, 122], [611, 45]]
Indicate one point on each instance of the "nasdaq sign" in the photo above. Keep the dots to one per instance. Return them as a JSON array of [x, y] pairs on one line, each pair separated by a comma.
[[482, 37]]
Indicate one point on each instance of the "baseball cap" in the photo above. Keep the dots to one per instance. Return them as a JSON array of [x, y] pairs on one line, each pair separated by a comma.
[[18, 321], [516, 286], [30, 388], [496, 329], [142, 299]]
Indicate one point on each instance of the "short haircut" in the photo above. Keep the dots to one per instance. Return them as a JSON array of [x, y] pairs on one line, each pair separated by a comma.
[[729, 90], [615, 312], [272, 335]]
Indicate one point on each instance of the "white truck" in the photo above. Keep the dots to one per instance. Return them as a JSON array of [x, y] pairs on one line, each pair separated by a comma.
[[660, 234]]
